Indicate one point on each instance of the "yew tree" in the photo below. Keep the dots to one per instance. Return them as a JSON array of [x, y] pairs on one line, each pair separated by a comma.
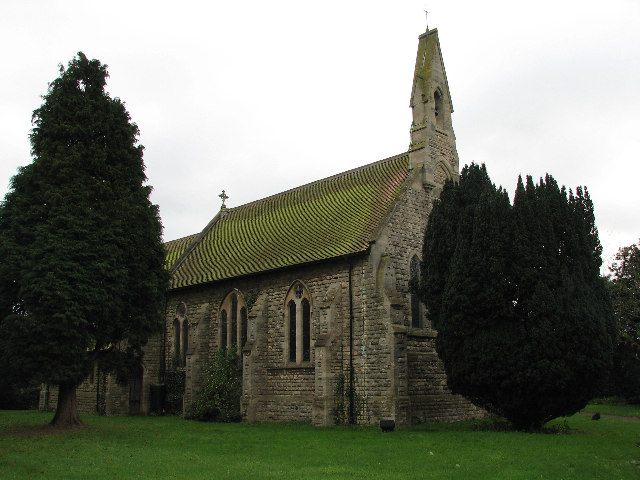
[[624, 287], [81, 255], [525, 326]]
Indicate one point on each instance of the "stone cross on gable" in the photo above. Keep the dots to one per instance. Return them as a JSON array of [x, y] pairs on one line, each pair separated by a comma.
[[224, 197]]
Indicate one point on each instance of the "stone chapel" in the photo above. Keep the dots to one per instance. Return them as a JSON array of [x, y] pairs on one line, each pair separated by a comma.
[[312, 286]]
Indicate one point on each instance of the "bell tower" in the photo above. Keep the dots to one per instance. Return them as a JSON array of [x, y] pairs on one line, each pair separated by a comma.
[[433, 143]]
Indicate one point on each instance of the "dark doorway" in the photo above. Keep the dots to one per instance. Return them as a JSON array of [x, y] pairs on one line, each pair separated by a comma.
[[135, 394]]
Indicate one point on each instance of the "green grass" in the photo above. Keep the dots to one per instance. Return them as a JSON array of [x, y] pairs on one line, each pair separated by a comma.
[[171, 448], [613, 406]]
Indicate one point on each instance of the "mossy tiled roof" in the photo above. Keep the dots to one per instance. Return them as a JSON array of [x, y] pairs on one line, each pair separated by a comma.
[[175, 249], [330, 218]]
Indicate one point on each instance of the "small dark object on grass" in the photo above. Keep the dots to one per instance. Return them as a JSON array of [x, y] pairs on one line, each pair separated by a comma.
[[387, 425], [596, 416]]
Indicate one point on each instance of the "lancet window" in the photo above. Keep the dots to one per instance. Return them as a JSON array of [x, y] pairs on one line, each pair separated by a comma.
[[414, 274], [298, 324], [234, 322], [180, 333]]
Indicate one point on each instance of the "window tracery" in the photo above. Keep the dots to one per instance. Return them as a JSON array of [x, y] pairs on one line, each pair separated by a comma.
[[234, 321], [180, 336], [298, 324]]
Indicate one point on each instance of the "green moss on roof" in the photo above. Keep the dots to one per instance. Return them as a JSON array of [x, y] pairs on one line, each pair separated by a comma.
[[333, 217], [175, 249]]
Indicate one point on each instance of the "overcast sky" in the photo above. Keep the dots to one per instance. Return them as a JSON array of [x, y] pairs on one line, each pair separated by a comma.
[[256, 97]]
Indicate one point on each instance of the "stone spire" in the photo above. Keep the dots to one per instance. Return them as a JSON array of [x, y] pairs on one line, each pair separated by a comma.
[[433, 143]]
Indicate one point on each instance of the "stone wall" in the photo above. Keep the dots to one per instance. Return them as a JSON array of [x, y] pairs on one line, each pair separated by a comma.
[[397, 373], [101, 394]]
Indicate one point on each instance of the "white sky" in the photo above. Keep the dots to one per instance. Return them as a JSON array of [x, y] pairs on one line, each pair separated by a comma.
[[256, 97]]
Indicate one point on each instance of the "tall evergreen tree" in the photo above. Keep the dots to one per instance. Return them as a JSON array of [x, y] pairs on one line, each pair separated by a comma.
[[524, 322], [624, 287], [625, 290], [81, 255]]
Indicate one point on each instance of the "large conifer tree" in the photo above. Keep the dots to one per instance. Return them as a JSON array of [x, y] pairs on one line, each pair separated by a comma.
[[81, 255], [524, 322]]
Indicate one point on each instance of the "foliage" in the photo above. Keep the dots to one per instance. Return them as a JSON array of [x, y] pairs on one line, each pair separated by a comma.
[[625, 293], [342, 397], [16, 397], [524, 322], [169, 447], [81, 256], [624, 288], [219, 399]]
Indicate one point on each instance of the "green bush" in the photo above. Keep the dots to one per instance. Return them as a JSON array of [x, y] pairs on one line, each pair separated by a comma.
[[219, 400]]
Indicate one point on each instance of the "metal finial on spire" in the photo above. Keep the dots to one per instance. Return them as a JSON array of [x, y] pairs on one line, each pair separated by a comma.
[[426, 17], [224, 197]]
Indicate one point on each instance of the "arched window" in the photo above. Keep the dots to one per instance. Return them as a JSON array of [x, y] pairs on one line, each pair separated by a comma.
[[244, 327], [439, 111], [298, 324], [180, 336], [293, 323], [306, 330], [414, 274], [176, 343], [234, 320], [233, 330], [223, 330], [185, 341]]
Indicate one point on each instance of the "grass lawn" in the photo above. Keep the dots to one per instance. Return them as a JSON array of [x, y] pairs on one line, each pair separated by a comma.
[[171, 448], [613, 407]]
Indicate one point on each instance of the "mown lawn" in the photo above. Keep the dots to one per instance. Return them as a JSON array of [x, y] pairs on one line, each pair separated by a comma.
[[171, 448], [611, 407]]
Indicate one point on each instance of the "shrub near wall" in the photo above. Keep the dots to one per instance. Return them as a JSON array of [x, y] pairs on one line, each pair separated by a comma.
[[219, 399]]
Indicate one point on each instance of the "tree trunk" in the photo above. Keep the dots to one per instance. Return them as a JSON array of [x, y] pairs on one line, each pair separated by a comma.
[[67, 409]]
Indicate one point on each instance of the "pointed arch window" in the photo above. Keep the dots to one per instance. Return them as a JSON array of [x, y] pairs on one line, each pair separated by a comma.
[[293, 325], [234, 321], [306, 330], [244, 326], [414, 273], [439, 110], [298, 324], [176, 343], [185, 341], [223, 330], [180, 333]]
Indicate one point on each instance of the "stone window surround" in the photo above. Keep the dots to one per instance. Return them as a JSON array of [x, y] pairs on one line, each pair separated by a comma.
[[296, 294], [242, 321], [414, 300], [180, 336]]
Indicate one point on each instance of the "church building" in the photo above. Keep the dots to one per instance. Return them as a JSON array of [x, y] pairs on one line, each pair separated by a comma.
[[312, 287]]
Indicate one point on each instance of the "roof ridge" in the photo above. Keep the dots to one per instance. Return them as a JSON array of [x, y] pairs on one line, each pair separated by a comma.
[[196, 240], [180, 238], [315, 182]]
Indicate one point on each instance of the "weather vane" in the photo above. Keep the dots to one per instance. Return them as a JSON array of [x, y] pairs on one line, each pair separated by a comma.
[[224, 197], [426, 16]]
